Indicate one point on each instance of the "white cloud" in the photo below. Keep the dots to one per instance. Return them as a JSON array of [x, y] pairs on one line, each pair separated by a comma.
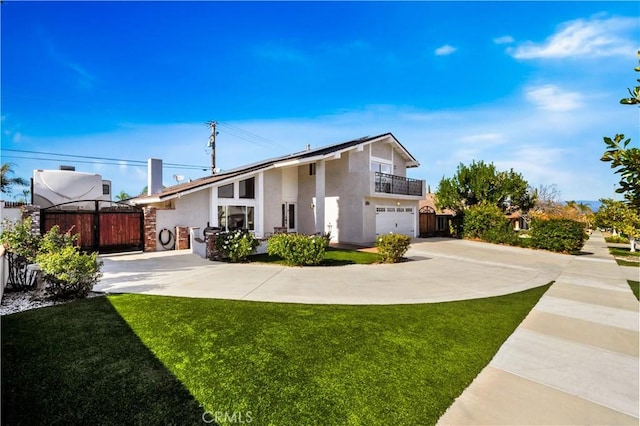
[[552, 98], [445, 50], [593, 37], [484, 138], [503, 40]]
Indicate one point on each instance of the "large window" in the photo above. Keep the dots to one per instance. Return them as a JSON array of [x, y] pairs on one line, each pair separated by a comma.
[[231, 218], [225, 191], [378, 166], [248, 188]]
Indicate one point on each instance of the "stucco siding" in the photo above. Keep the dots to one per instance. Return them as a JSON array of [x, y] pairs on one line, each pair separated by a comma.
[[306, 197], [272, 199], [190, 210], [399, 165], [381, 150]]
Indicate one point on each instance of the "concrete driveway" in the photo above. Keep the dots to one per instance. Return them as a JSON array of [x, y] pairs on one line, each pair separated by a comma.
[[438, 270]]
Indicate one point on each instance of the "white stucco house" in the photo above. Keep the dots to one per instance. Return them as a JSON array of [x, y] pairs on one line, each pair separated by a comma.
[[355, 190]]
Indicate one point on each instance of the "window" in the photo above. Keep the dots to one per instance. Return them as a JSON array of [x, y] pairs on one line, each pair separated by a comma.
[[106, 190], [225, 191], [380, 209], [248, 188], [391, 209], [409, 209], [289, 216], [378, 166], [312, 169], [236, 217], [441, 223], [400, 210]]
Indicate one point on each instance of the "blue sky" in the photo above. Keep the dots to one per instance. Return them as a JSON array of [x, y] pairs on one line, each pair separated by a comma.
[[532, 86]]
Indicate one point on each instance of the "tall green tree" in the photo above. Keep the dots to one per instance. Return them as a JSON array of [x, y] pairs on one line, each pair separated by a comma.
[[479, 183], [7, 180], [624, 160]]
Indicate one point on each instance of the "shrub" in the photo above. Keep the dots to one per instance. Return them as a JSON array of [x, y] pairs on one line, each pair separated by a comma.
[[298, 249], [22, 247], [617, 239], [501, 235], [559, 235], [67, 271], [391, 247], [481, 218], [236, 245]]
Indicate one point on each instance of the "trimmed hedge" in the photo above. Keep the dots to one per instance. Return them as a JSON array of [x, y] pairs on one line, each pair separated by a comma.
[[559, 235], [391, 247], [297, 249]]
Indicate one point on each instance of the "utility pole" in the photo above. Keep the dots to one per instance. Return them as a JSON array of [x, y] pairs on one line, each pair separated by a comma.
[[212, 145]]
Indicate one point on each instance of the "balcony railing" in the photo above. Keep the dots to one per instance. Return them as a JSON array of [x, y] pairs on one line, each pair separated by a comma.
[[392, 184]]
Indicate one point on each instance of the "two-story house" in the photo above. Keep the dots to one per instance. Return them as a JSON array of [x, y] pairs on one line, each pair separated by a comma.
[[355, 190]]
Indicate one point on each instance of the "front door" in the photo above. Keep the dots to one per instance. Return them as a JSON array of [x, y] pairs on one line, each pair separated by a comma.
[[289, 216]]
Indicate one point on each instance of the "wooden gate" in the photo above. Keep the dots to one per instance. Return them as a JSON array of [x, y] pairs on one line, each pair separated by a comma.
[[427, 222], [115, 228]]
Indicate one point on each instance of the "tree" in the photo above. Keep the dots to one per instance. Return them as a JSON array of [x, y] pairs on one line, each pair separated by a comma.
[[122, 196], [619, 216], [548, 200], [483, 183], [626, 161], [7, 180]]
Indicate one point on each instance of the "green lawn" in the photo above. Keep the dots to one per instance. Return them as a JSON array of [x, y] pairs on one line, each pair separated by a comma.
[[137, 359], [332, 257], [624, 257], [635, 287]]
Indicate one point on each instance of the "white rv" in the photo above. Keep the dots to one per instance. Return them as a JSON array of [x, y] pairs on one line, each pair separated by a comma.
[[53, 187]]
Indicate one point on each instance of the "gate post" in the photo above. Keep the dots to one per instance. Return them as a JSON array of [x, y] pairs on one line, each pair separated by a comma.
[[149, 228], [34, 213]]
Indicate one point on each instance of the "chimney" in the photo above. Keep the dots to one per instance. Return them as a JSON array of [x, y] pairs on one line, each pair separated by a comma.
[[308, 147], [68, 168], [154, 178]]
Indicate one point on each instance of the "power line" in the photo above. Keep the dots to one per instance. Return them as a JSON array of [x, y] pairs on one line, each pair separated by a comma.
[[249, 136], [119, 163], [131, 162]]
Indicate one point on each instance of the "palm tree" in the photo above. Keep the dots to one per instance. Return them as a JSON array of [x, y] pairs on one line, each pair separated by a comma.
[[122, 196], [6, 179]]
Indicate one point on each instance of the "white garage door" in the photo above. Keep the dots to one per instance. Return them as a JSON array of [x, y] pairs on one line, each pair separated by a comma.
[[398, 220]]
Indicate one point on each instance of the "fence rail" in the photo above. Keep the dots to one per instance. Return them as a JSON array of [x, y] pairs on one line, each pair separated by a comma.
[[392, 184]]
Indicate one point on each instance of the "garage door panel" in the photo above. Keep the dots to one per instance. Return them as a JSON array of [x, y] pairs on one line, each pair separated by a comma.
[[397, 220]]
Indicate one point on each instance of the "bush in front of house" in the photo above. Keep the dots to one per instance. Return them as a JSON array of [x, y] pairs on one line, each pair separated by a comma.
[[559, 235], [481, 219], [392, 247], [236, 245], [296, 249], [69, 273], [503, 234], [21, 249]]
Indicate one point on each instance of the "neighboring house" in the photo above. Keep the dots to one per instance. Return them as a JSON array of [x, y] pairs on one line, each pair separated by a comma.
[[434, 222], [355, 190]]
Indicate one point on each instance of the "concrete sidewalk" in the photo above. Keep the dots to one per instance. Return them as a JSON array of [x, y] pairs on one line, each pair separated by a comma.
[[573, 360]]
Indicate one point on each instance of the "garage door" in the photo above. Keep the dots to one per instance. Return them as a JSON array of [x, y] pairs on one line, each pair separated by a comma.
[[398, 220]]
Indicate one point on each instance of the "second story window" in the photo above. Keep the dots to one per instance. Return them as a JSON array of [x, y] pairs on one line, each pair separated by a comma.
[[378, 166], [225, 191], [248, 188]]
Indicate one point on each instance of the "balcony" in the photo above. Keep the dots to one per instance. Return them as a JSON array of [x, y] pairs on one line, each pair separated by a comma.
[[398, 185]]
